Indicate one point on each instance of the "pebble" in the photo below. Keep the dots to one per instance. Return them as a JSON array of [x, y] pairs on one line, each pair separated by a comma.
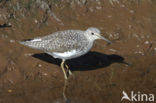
[[91, 9], [12, 41], [45, 74], [9, 90], [146, 42], [122, 5], [36, 21], [39, 65], [98, 7], [137, 46], [131, 11], [28, 54], [4, 36], [139, 52], [113, 50]]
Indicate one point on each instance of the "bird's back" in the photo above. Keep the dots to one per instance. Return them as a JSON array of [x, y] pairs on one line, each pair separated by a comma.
[[59, 41]]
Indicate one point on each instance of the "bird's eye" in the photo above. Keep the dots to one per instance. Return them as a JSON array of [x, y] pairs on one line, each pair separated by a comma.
[[92, 33]]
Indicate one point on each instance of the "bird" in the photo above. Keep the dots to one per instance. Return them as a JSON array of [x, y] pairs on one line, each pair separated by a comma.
[[66, 44]]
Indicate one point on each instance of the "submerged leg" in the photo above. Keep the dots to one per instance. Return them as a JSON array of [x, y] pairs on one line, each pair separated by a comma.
[[64, 91], [62, 66]]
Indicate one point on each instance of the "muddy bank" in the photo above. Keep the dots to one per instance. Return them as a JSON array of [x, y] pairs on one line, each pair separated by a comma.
[[28, 75]]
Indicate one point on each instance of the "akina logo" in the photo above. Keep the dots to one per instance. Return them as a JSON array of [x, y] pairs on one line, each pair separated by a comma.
[[137, 96]]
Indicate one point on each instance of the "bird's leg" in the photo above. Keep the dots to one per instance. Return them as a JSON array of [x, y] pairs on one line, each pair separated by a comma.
[[69, 71], [62, 66]]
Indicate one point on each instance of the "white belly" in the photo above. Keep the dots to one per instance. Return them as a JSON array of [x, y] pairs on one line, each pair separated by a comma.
[[71, 54], [67, 54]]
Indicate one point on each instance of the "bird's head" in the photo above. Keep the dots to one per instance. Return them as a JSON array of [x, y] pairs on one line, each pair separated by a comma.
[[94, 33]]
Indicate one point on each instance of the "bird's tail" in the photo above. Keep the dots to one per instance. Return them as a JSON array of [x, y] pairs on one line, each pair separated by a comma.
[[33, 43]]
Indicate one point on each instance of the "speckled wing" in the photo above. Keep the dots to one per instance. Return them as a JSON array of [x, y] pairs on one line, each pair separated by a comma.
[[59, 42], [64, 41]]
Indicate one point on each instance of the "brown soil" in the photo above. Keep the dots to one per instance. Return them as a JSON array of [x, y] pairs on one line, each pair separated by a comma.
[[30, 76]]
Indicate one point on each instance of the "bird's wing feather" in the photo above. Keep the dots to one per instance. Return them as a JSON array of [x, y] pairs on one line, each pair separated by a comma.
[[63, 41]]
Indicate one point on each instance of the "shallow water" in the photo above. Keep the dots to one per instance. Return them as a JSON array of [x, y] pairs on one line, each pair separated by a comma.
[[28, 76]]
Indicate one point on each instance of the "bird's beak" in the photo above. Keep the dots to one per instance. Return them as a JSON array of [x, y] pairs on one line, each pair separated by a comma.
[[108, 41]]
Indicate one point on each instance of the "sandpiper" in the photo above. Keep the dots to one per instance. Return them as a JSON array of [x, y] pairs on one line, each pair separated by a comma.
[[66, 44]]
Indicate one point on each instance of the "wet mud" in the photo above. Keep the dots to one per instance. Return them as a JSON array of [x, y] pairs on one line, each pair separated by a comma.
[[100, 76]]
